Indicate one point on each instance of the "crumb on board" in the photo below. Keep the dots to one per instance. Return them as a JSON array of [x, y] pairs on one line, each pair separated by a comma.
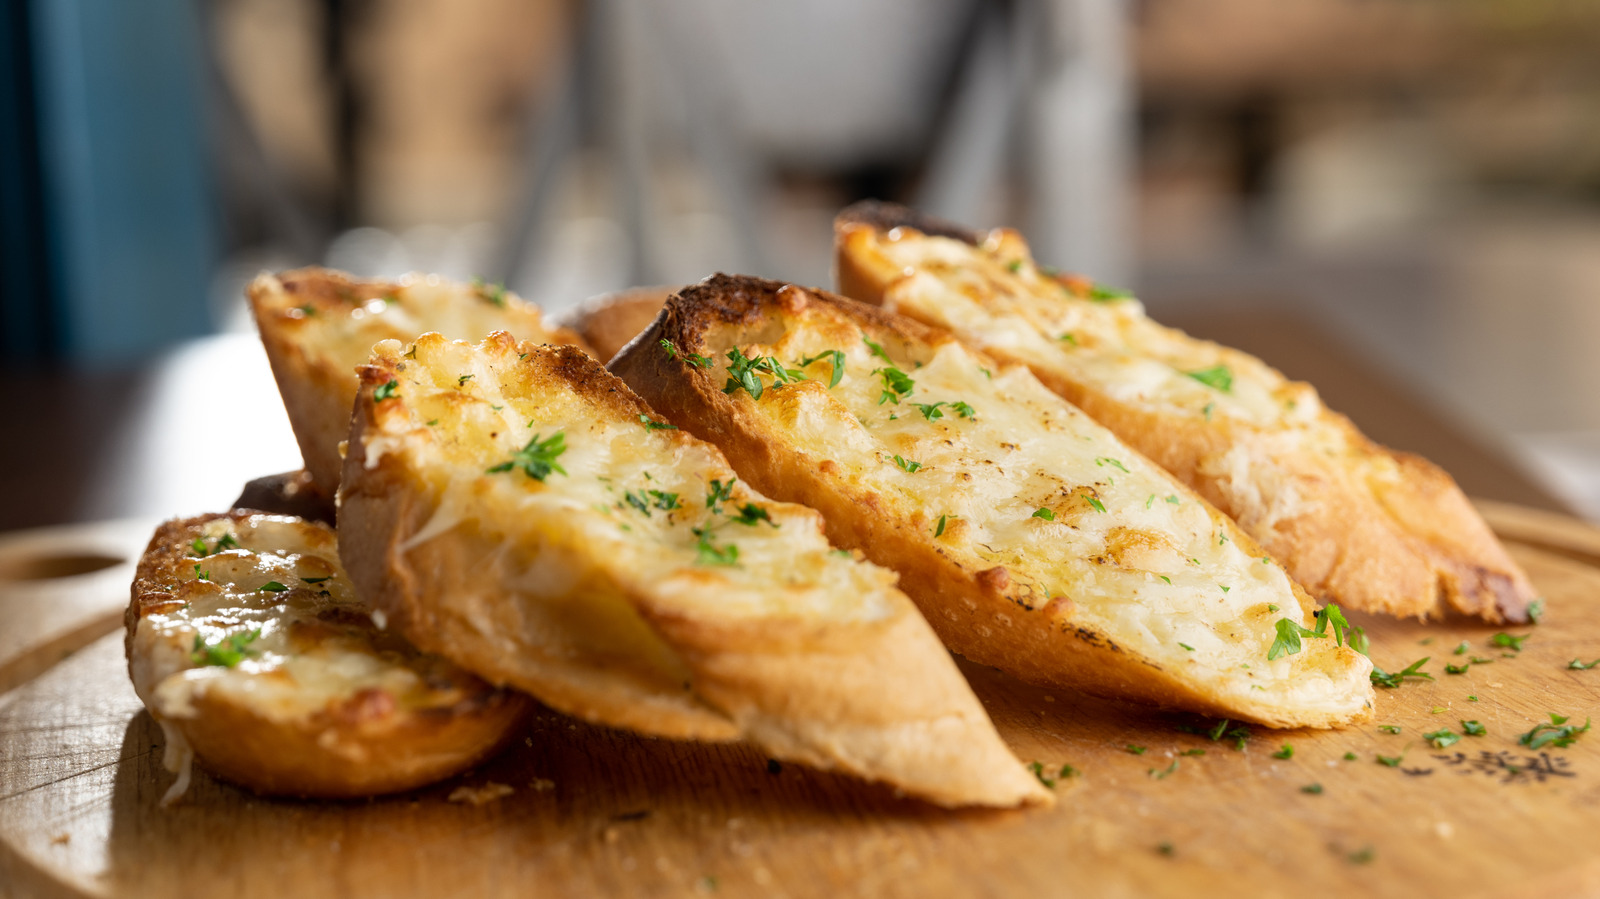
[[489, 792]]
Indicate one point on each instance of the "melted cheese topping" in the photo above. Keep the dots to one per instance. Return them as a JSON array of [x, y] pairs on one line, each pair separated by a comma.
[[995, 296], [648, 511], [313, 650], [1028, 482]]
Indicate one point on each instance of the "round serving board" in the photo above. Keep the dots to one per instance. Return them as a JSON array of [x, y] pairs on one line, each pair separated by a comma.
[[591, 811]]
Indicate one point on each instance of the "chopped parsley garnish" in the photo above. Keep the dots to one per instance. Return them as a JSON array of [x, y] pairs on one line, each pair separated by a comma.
[[1381, 678], [695, 360], [1462, 647], [461, 381], [494, 293], [1362, 856], [1107, 460], [1442, 738], [1136, 749], [1392, 761], [906, 465], [317, 580], [1014, 265], [1350, 756], [752, 515], [646, 500], [1187, 646], [964, 410], [1048, 779], [897, 385], [708, 553], [651, 424], [876, 348], [743, 373], [226, 541], [1044, 513], [1068, 338], [1195, 751], [1510, 641], [1389, 728], [1576, 665], [1166, 848], [1217, 377], [201, 575], [538, 459], [1207, 410], [939, 530], [1288, 640], [931, 412], [271, 587], [1095, 501], [386, 391], [1102, 294], [1473, 729], [1472, 699], [1557, 733], [1165, 578], [835, 358], [1164, 773], [719, 493], [1313, 789], [1287, 752], [225, 653], [1456, 669], [1536, 610], [1223, 729], [1174, 499]]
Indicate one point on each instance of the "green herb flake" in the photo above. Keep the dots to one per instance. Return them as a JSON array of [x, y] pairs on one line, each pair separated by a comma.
[[906, 465], [538, 459], [225, 653], [1312, 789], [1095, 502], [1462, 647], [1456, 669], [1509, 641], [719, 493], [1473, 729], [1442, 738], [1577, 665], [1536, 610], [461, 381], [1165, 578], [708, 553], [1350, 756], [1289, 637], [1391, 761], [1014, 265], [1381, 678], [1173, 499], [930, 411], [1187, 646], [695, 360], [317, 580], [493, 293], [1136, 749], [1556, 733], [1166, 848], [897, 385], [1100, 294], [938, 531], [1472, 699], [651, 424], [1287, 752], [386, 391], [752, 515], [1164, 773], [271, 587], [1217, 377], [1195, 751], [1389, 728], [1103, 461], [1044, 513], [1068, 338], [835, 358], [1048, 778], [1362, 856], [876, 348]]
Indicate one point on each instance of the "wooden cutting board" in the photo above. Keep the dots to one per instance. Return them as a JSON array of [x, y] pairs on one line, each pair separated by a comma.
[[595, 811]]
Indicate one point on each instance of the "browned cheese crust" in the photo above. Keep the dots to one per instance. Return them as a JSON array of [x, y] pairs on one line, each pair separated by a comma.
[[1357, 523], [1028, 593], [318, 325], [607, 323], [632, 582], [318, 702]]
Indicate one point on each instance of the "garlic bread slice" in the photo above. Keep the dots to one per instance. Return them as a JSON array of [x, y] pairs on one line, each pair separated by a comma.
[[1357, 523], [249, 646], [516, 508], [318, 324], [1033, 539]]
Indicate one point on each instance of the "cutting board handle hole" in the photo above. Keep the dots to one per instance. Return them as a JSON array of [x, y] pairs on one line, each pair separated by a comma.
[[49, 566]]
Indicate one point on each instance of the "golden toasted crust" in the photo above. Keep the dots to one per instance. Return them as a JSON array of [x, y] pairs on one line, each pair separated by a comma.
[[994, 583], [322, 703], [630, 581], [607, 323], [318, 324], [1357, 523]]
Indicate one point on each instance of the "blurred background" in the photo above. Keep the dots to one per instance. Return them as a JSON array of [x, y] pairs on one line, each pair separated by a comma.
[[1398, 199]]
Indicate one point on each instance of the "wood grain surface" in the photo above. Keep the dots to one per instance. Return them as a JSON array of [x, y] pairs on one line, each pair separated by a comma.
[[595, 811]]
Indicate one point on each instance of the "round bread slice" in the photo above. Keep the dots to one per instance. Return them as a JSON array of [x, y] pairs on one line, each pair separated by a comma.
[[606, 323], [248, 645], [317, 325]]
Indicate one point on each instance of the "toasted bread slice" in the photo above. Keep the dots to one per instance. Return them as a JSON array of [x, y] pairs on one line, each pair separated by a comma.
[[518, 509], [1032, 538], [1359, 524], [247, 643], [318, 324], [606, 323]]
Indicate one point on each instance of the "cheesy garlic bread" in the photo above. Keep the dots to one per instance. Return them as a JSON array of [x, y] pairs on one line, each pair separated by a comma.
[[1032, 538], [318, 324], [1357, 523], [248, 645], [516, 508]]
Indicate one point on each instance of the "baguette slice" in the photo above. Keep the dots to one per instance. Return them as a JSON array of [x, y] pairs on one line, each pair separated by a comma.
[[606, 323], [518, 509], [1032, 538], [318, 325], [248, 645], [1357, 523]]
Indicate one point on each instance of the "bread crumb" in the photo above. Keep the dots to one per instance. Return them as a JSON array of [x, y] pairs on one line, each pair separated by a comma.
[[61, 839], [489, 792], [542, 785]]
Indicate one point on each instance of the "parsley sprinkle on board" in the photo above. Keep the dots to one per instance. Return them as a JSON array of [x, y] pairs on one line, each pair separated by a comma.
[[1381, 678], [1473, 729], [1313, 789], [1577, 665], [1389, 728], [1509, 641], [1287, 752], [1442, 738], [1557, 733]]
